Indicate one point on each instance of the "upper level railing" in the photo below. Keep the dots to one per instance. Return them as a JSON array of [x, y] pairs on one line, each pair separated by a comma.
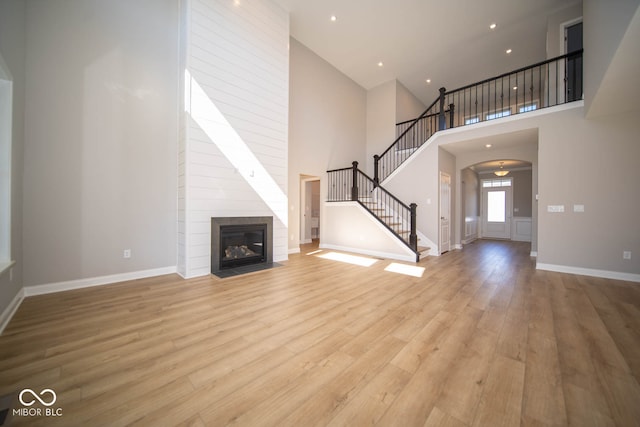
[[351, 184], [545, 84]]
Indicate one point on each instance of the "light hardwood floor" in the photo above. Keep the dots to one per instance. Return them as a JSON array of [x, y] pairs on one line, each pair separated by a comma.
[[482, 338]]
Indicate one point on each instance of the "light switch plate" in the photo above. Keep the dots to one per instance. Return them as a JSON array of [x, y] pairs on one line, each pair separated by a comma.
[[578, 208], [555, 208]]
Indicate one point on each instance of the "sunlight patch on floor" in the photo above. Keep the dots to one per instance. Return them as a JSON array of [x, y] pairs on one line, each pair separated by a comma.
[[408, 270], [349, 259]]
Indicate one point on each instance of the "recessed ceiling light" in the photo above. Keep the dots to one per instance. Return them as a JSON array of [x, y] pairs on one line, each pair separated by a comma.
[[428, 81], [515, 88], [508, 51], [334, 18], [493, 26], [380, 64], [488, 145]]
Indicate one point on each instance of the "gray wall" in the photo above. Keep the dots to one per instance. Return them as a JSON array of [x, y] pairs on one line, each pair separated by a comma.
[[381, 121], [407, 105], [327, 126], [12, 43], [100, 138], [470, 193], [593, 163], [522, 199], [605, 23]]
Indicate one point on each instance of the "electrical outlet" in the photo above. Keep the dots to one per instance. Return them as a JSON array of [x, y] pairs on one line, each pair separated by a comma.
[[555, 208], [127, 253], [626, 255]]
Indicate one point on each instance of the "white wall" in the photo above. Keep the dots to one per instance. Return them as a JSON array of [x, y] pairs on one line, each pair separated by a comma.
[[351, 228], [235, 150], [12, 43], [100, 138], [327, 127]]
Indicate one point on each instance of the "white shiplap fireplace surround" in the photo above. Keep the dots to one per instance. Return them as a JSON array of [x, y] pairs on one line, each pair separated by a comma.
[[233, 128]]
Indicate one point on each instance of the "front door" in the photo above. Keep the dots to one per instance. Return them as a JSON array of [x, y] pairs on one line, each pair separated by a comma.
[[496, 209], [445, 212]]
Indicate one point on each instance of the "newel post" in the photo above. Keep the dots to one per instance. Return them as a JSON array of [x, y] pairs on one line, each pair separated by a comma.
[[413, 237], [452, 110], [442, 121], [376, 163], [354, 183]]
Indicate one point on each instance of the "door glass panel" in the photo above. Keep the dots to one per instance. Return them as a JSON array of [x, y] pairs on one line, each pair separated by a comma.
[[496, 206]]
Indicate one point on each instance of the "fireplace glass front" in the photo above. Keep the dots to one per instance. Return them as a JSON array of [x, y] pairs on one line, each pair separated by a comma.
[[242, 245]]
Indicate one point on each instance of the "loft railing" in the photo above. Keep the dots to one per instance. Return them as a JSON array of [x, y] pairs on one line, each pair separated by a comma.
[[545, 84], [351, 184]]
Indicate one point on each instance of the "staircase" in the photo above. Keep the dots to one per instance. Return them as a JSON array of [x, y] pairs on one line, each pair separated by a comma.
[[351, 184], [527, 89]]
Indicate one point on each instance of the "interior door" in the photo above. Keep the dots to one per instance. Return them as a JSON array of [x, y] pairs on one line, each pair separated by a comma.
[[573, 40], [445, 212], [496, 212]]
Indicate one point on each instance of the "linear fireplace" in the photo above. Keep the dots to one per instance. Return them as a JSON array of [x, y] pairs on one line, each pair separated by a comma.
[[238, 242]]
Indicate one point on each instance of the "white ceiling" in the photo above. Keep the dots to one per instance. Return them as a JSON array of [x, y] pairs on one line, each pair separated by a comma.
[[448, 42]]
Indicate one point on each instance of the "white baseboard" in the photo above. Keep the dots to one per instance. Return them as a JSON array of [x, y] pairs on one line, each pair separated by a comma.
[[7, 314], [294, 251], [605, 274], [96, 281]]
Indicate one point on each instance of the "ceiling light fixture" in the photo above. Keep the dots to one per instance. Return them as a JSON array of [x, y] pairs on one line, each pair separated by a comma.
[[380, 64], [334, 18], [493, 26], [488, 145], [501, 172], [508, 51], [515, 88], [428, 81]]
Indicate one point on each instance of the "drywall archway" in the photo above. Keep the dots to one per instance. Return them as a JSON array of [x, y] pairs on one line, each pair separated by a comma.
[[521, 145]]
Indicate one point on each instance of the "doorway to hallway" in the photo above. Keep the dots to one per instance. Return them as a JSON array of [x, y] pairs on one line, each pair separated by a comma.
[[309, 209]]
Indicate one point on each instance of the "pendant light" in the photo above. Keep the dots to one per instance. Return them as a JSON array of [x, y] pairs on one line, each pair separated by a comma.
[[501, 172]]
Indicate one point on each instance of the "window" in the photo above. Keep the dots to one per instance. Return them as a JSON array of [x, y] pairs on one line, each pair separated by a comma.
[[496, 206], [497, 115], [503, 182], [472, 120], [6, 105], [527, 108]]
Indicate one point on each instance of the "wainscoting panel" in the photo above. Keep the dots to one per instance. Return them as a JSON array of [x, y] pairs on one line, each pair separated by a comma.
[[521, 229]]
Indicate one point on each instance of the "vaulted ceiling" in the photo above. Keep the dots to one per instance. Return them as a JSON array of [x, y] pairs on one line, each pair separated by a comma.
[[448, 42]]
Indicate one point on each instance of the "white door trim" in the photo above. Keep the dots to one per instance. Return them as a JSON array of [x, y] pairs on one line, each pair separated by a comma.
[[444, 229]]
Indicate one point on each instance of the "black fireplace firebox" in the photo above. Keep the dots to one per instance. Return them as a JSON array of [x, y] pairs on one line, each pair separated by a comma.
[[242, 245], [239, 242]]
